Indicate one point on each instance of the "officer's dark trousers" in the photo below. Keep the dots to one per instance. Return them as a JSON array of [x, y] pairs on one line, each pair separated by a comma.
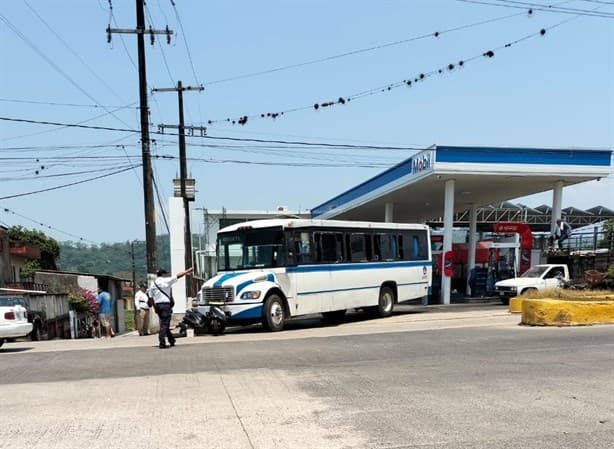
[[165, 312]]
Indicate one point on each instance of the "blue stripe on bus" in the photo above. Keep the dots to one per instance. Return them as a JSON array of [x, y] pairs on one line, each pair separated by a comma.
[[240, 287], [355, 288], [254, 312], [357, 266], [224, 278]]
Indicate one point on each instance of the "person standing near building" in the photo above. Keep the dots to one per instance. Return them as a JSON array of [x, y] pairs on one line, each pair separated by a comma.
[[162, 294], [142, 310], [564, 232], [104, 311]]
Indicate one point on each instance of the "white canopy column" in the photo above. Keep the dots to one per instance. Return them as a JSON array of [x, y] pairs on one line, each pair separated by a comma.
[[448, 223], [389, 213], [557, 201], [473, 220]]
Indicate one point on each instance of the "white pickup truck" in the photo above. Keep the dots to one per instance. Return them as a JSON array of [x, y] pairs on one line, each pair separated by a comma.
[[538, 277], [13, 322]]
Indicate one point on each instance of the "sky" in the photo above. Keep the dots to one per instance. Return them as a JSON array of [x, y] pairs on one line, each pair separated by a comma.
[[269, 57]]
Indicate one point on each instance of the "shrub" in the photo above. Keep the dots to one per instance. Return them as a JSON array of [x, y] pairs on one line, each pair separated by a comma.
[[568, 294], [83, 301]]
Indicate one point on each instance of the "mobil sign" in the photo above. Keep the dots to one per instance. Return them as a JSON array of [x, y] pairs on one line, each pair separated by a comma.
[[422, 162]]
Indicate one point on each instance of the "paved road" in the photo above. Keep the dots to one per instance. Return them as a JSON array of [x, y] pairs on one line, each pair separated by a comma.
[[455, 377]]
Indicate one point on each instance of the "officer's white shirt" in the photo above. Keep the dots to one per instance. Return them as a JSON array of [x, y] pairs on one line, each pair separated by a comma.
[[140, 300], [164, 283]]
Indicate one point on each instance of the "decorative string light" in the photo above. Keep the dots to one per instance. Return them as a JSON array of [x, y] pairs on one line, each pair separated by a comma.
[[382, 89]]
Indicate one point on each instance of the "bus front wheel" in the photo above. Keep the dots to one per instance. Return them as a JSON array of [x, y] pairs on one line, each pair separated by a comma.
[[274, 314]]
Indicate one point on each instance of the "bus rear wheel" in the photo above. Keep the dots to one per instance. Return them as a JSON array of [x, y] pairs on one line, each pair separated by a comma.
[[386, 302], [273, 313]]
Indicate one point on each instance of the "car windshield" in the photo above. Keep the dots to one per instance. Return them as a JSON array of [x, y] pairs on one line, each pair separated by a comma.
[[250, 248], [534, 272]]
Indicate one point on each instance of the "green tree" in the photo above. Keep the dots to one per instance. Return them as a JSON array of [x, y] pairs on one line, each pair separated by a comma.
[[608, 234], [50, 249]]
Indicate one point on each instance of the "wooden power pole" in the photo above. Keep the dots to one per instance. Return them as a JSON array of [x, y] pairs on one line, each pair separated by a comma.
[[150, 210], [183, 174]]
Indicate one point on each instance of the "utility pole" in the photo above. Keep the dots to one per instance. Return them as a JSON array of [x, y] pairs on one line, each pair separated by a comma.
[[150, 211], [134, 311], [183, 173]]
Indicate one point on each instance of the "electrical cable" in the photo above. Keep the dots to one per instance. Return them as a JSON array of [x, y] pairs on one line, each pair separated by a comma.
[[571, 11], [7, 210], [66, 185], [74, 53], [51, 103], [228, 138], [435, 34]]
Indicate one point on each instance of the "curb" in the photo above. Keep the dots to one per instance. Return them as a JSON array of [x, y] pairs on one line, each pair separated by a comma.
[[554, 312]]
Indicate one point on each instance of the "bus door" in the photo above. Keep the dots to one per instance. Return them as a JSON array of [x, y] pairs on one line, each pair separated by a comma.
[[310, 279]]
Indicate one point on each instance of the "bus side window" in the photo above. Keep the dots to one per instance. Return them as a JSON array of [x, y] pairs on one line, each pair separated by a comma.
[[340, 254], [415, 247], [301, 246], [389, 247], [377, 247], [329, 248], [402, 253], [358, 248]]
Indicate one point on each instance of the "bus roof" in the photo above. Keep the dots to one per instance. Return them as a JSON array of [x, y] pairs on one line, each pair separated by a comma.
[[295, 223]]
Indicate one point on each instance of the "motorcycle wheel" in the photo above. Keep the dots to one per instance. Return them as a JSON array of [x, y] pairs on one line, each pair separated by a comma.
[[216, 326]]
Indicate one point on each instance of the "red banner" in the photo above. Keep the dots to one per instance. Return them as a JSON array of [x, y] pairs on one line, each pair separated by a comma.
[[448, 261]]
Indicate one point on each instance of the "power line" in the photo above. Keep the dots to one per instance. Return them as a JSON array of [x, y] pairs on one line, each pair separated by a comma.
[[65, 185], [275, 163], [187, 48], [54, 65], [7, 210], [545, 8], [185, 41], [151, 26], [76, 105], [160, 204], [434, 34], [408, 82], [4, 139], [74, 53], [234, 139], [64, 147]]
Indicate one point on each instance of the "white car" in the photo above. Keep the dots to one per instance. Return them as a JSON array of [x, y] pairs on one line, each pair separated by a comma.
[[13, 322]]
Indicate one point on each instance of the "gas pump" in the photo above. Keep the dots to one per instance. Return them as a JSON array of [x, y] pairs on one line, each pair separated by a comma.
[[503, 259]]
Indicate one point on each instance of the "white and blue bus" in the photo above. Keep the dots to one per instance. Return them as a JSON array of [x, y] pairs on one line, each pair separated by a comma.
[[272, 270]]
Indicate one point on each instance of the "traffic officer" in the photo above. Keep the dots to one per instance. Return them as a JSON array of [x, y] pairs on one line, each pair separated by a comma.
[[161, 291]]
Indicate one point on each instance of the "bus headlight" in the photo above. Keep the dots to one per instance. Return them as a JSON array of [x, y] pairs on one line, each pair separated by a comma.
[[251, 295]]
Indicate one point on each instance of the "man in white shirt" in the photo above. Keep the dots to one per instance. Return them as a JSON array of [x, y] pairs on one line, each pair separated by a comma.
[[162, 293], [142, 310]]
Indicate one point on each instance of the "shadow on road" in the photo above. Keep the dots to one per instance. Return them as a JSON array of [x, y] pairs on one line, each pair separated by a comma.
[[5, 349]]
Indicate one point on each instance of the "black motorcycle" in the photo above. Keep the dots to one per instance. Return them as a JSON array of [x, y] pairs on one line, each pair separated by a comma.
[[213, 322]]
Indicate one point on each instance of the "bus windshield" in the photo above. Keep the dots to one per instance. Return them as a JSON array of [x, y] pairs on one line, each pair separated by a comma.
[[252, 248]]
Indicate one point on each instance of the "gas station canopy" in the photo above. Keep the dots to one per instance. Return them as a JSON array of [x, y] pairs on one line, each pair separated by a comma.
[[482, 175], [444, 180]]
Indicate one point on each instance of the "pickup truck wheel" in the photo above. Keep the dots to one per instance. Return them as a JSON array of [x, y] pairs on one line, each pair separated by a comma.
[[35, 335], [505, 301]]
